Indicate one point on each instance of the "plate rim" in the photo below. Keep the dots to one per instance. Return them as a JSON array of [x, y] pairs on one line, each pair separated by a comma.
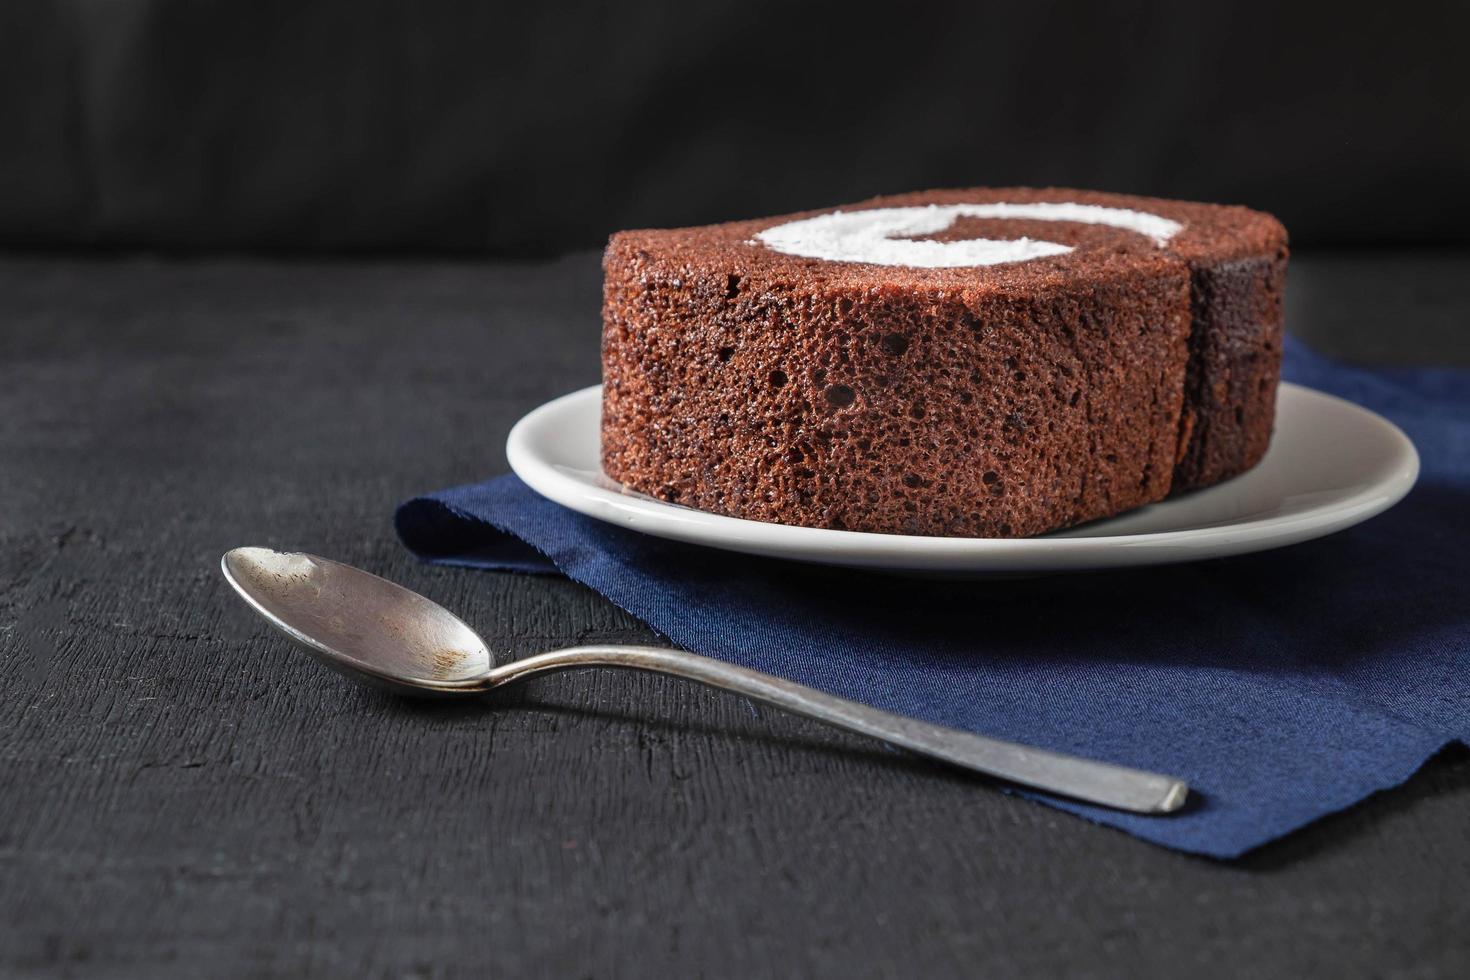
[[870, 549]]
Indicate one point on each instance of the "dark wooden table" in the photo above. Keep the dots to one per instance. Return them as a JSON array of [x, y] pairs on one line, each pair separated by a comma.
[[181, 794]]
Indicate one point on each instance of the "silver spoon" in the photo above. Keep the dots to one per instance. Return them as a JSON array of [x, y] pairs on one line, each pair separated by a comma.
[[371, 629]]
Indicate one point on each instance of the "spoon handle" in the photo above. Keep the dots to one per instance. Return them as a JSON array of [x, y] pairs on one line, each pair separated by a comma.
[[1065, 775]]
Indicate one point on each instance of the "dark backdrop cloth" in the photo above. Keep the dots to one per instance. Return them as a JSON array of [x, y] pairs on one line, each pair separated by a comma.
[[535, 128]]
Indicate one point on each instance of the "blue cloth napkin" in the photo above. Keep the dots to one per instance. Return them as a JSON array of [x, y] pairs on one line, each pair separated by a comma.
[[1283, 686]]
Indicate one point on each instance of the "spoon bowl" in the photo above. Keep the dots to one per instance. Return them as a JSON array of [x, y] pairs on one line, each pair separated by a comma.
[[378, 630]]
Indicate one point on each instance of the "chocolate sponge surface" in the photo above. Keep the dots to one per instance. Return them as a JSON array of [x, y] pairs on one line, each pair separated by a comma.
[[1001, 400]]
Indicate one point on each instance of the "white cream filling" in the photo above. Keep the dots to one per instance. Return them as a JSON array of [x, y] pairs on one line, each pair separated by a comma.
[[883, 236]]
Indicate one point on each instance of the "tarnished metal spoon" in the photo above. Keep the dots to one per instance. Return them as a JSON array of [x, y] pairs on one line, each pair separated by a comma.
[[374, 630]]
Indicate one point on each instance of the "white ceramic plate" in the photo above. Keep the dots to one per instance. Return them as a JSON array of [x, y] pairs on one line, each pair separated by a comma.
[[1330, 466]]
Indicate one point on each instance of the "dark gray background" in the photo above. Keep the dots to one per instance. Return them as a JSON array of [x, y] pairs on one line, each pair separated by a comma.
[[535, 128]]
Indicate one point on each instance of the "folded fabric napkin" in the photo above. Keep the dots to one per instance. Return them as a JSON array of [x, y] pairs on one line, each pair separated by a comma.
[[1283, 686]]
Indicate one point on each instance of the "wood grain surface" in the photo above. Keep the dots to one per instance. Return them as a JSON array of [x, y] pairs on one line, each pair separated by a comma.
[[182, 795]]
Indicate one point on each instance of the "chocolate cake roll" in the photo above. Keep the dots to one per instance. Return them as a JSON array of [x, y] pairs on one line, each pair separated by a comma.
[[987, 362]]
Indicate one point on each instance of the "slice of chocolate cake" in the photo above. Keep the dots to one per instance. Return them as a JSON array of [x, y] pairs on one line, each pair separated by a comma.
[[987, 362]]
